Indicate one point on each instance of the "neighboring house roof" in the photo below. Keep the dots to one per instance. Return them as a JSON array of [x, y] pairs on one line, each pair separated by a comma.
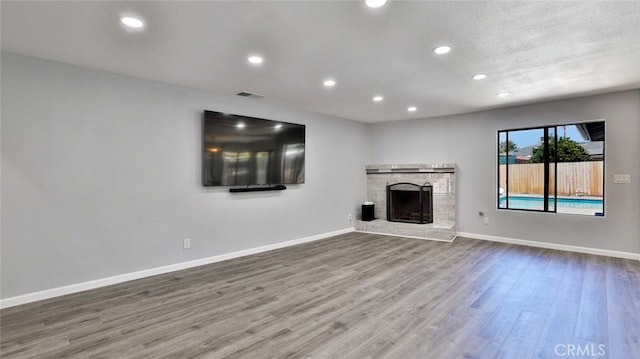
[[593, 148], [525, 151]]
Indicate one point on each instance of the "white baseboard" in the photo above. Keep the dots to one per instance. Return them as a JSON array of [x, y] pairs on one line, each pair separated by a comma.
[[562, 247], [403, 236], [79, 287]]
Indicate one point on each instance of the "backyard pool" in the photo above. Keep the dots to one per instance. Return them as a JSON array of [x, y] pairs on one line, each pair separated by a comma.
[[565, 205]]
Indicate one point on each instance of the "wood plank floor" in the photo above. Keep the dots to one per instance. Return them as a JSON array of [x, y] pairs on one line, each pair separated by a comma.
[[351, 296]]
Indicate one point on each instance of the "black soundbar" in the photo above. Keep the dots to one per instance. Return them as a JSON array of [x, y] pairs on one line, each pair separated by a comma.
[[276, 187]]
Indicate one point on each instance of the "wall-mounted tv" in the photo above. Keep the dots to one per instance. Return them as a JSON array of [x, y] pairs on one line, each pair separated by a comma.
[[245, 151]]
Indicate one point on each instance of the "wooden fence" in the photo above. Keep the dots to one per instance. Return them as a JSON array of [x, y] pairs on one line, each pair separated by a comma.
[[573, 178]]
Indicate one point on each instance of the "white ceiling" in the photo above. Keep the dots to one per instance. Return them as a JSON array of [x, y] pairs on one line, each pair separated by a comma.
[[535, 50]]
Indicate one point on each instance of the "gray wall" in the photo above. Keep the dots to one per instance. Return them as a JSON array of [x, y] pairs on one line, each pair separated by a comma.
[[101, 176], [470, 141]]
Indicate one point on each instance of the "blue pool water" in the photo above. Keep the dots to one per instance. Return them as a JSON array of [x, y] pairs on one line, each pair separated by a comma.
[[536, 202]]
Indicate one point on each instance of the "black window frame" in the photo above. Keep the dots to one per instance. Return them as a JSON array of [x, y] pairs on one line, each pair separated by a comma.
[[547, 166]]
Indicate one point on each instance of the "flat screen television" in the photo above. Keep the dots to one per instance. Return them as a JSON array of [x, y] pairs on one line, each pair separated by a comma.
[[246, 151]]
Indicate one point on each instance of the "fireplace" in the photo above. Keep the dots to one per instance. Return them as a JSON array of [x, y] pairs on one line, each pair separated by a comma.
[[433, 205], [410, 203]]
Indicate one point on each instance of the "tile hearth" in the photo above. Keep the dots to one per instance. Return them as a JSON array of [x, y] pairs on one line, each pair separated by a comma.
[[440, 176]]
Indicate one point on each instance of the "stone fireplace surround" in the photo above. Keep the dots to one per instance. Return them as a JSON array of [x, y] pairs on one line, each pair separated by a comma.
[[441, 177]]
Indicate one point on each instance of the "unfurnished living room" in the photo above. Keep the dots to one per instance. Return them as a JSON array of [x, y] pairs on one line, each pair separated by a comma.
[[320, 179]]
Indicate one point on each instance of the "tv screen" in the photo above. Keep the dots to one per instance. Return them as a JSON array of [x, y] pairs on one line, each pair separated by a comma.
[[244, 151]]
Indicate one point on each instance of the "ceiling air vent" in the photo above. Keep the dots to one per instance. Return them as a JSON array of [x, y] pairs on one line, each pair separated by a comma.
[[249, 94]]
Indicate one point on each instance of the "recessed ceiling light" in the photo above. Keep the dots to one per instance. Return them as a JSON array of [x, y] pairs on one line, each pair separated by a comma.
[[503, 94], [479, 77], [412, 109], [441, 50], [132, 22], [329, 83], [278, 126], [241, 125], [378, 98], [255, 59], [375, 3]]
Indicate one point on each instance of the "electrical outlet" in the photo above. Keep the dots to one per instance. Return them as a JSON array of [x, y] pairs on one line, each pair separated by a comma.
[[486, 220], [186, 243], [350, 217]]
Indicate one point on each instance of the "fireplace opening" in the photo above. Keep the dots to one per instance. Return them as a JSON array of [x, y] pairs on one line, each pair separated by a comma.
[[410, 203]]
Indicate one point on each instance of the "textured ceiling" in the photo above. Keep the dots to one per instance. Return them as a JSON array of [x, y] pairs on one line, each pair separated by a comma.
[[535, 50]]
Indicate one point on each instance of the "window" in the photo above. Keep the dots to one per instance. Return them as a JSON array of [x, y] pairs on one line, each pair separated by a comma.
[[557, 169]]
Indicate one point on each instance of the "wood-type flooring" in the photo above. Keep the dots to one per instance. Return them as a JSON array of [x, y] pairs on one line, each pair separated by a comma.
[[351, 296]]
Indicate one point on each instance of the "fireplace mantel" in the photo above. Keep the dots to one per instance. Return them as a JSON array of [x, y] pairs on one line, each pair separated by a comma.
[[441, 176], [412, 168]]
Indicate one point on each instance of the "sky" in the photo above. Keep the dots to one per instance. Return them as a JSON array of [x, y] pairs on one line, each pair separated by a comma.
[[524, 138]]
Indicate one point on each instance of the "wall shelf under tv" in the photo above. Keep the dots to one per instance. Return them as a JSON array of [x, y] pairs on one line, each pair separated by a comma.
[[277, 187]]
